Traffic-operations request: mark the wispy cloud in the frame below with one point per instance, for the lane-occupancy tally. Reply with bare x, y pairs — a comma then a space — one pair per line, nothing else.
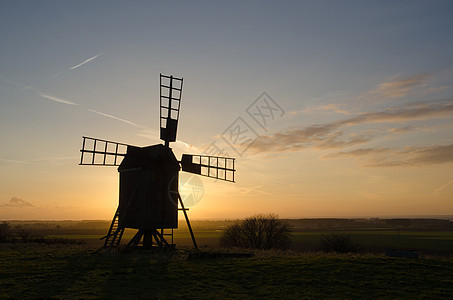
401, 130
331, 135
113, 117
331, 107
57, 99
335, 141
400, 87
85, 61
405, 156
417, 111
16, 202
317, 136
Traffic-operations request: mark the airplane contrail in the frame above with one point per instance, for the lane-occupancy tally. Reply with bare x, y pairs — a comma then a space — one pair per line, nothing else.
46, 96
13, 82
76, 66
23, 86
56, 99
85, 61
16, 161
113, 117
64, 101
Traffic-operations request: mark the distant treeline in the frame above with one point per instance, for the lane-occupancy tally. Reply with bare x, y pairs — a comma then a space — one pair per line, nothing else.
27, 233
369, 224
100, 227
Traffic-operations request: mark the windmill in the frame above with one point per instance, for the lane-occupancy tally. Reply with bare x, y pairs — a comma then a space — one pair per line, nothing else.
149, 199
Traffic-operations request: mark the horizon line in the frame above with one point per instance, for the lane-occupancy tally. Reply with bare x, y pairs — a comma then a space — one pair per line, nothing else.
444, 217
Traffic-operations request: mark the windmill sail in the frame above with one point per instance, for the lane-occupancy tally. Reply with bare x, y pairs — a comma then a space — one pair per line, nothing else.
211, 166
101, 152
170, 99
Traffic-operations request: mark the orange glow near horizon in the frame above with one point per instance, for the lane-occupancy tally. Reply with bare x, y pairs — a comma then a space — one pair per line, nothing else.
329, 109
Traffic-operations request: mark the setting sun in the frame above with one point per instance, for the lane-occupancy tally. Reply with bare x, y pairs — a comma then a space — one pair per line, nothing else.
338, 110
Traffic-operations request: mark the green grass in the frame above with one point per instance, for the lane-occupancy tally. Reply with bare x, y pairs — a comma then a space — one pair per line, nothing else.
43, 271
369, 239
309, 240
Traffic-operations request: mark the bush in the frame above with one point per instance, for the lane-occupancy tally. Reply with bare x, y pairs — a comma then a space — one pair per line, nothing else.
258, 232
340, 243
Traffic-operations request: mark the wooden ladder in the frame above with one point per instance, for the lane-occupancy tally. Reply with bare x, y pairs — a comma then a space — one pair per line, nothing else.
113, 237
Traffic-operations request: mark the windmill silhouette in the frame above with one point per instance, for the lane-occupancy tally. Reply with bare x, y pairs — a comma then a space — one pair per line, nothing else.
149, 198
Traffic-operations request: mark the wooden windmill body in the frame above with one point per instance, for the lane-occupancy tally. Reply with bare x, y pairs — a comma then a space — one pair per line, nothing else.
149, 199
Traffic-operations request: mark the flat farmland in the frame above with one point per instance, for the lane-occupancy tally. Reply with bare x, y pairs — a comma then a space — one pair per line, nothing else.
426, 237
309, 241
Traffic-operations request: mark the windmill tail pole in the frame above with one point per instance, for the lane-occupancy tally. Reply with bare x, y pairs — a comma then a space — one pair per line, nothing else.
188, 222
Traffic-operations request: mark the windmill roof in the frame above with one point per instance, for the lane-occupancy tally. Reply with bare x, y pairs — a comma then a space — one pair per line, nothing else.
148, 157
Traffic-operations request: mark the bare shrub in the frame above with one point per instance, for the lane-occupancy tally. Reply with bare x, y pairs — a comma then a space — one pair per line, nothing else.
258, 232
340, 243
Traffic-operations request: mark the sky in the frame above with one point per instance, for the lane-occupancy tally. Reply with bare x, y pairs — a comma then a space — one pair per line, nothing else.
331, 108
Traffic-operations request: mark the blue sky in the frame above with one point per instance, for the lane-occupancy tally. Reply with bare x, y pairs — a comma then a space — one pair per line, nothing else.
365, 88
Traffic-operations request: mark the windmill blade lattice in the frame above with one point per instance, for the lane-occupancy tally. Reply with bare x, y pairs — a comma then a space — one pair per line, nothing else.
222, 168
99, 152
170, 100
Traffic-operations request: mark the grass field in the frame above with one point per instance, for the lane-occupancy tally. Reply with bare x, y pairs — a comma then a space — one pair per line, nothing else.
58, 271
424, 241
74, 270
368, 240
